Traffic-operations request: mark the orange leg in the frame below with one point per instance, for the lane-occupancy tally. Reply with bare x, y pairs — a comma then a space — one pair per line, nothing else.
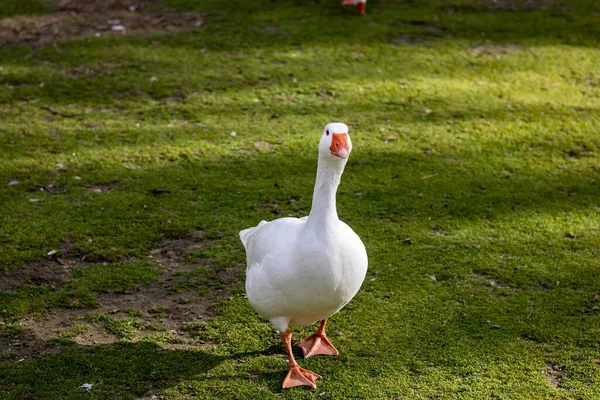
296, 376
317, 343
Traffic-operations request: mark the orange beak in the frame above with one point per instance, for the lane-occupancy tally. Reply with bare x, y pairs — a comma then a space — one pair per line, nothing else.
339, 145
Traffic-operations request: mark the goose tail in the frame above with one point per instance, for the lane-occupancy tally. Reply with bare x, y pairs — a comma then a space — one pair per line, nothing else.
246, 234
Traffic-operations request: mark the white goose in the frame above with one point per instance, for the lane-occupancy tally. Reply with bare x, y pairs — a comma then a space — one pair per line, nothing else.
300, 271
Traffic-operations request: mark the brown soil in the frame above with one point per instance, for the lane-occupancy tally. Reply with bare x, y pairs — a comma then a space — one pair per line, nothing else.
159, 306
412, 39
74, 19
38, 273
99, 188
553, 374
490, 49
172, 252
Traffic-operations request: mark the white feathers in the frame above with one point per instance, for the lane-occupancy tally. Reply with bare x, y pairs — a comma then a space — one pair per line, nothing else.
303, 270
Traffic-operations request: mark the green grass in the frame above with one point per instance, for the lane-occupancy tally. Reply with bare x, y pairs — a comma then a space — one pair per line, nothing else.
80, 291
12, 8
474, 183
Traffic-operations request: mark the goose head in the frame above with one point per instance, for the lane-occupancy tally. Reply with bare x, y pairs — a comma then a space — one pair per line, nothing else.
335, 143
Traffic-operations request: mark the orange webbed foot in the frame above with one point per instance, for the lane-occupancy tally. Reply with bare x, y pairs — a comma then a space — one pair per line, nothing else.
298, 376
317, 344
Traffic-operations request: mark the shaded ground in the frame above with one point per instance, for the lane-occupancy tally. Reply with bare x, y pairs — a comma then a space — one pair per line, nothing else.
168, 309
131, 160
75, 19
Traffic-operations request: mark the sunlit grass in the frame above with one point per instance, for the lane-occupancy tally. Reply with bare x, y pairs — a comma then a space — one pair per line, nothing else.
474, 183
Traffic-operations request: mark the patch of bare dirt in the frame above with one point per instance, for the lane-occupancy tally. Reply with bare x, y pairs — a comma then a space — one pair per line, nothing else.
171, 319
493, 50
172, 252
74, 19
24, 346
553, 374
51, 271
263, 145
46, 327
158, 307
38, 273
100, 188
179, 309
411, 39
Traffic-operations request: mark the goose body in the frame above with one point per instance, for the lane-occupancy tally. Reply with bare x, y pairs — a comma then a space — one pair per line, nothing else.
300, 272
303, 270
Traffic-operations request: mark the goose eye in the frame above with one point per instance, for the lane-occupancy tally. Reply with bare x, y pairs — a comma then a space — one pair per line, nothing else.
327, 132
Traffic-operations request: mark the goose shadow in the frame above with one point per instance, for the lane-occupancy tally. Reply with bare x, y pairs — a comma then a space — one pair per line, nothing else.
117, 370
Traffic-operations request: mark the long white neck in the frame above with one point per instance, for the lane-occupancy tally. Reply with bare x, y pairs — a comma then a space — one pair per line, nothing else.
329, 173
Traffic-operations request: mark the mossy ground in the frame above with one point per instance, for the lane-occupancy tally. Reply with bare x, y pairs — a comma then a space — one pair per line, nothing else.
474, 183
